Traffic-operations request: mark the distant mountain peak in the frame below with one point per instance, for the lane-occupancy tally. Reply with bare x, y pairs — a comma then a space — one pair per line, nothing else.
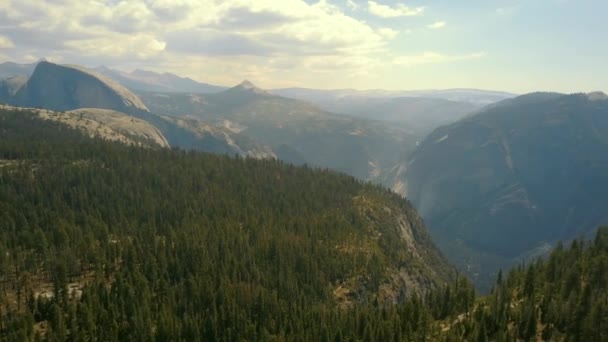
250, 87
247, 84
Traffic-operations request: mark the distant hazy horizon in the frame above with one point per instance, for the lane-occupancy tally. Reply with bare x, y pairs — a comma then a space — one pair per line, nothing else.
504, 45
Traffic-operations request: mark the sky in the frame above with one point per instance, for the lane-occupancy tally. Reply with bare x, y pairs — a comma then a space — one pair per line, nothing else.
512, 45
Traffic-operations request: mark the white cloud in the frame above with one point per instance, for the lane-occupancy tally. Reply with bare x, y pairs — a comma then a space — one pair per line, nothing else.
6, 43
267, 23
291, 41
385, 11
140, 46
249, 35
437, 25
30, 58
433, 58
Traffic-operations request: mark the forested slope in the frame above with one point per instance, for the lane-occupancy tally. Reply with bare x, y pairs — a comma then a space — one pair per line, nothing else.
104, 241
562, 298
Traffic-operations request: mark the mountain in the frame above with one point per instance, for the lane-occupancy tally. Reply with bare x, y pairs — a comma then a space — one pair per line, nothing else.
419, 112
230, 247
143, 80
66, 87
506, 184
300, 130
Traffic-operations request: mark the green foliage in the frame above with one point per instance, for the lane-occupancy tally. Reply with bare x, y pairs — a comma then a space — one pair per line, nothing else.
175, 245
562, 298
142, 244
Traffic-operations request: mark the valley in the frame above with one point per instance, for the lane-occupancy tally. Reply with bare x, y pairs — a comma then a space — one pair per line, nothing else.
510, 182
303, 170
267, 207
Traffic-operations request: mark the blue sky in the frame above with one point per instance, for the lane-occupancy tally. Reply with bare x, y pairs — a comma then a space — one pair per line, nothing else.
512, 45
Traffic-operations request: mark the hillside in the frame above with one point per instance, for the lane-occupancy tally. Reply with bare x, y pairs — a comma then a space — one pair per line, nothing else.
222, 139
157, 243
102, 123
508, 183
563, 298
362, 148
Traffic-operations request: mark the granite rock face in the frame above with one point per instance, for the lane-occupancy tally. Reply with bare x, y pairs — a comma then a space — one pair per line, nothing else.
66, 87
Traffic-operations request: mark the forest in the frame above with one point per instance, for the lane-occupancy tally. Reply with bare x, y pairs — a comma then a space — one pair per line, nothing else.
103, 242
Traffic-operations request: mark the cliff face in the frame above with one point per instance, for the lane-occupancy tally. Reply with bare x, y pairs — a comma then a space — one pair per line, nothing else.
63, 87
508, 183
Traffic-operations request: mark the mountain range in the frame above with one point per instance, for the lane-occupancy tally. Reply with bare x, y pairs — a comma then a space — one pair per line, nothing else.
328, 97
297, 130
357, 141
362, 133
144, 80
69, 87
498, 178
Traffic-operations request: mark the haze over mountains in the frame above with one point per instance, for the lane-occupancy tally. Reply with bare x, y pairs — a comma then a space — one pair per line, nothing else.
486, 182
374, 131
297, 130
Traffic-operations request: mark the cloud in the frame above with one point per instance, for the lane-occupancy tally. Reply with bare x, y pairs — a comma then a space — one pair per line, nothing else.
433, 58
385, 11
216, 43
437, 25
157, 24
219, 41
6, 43
140, 46
243, 18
